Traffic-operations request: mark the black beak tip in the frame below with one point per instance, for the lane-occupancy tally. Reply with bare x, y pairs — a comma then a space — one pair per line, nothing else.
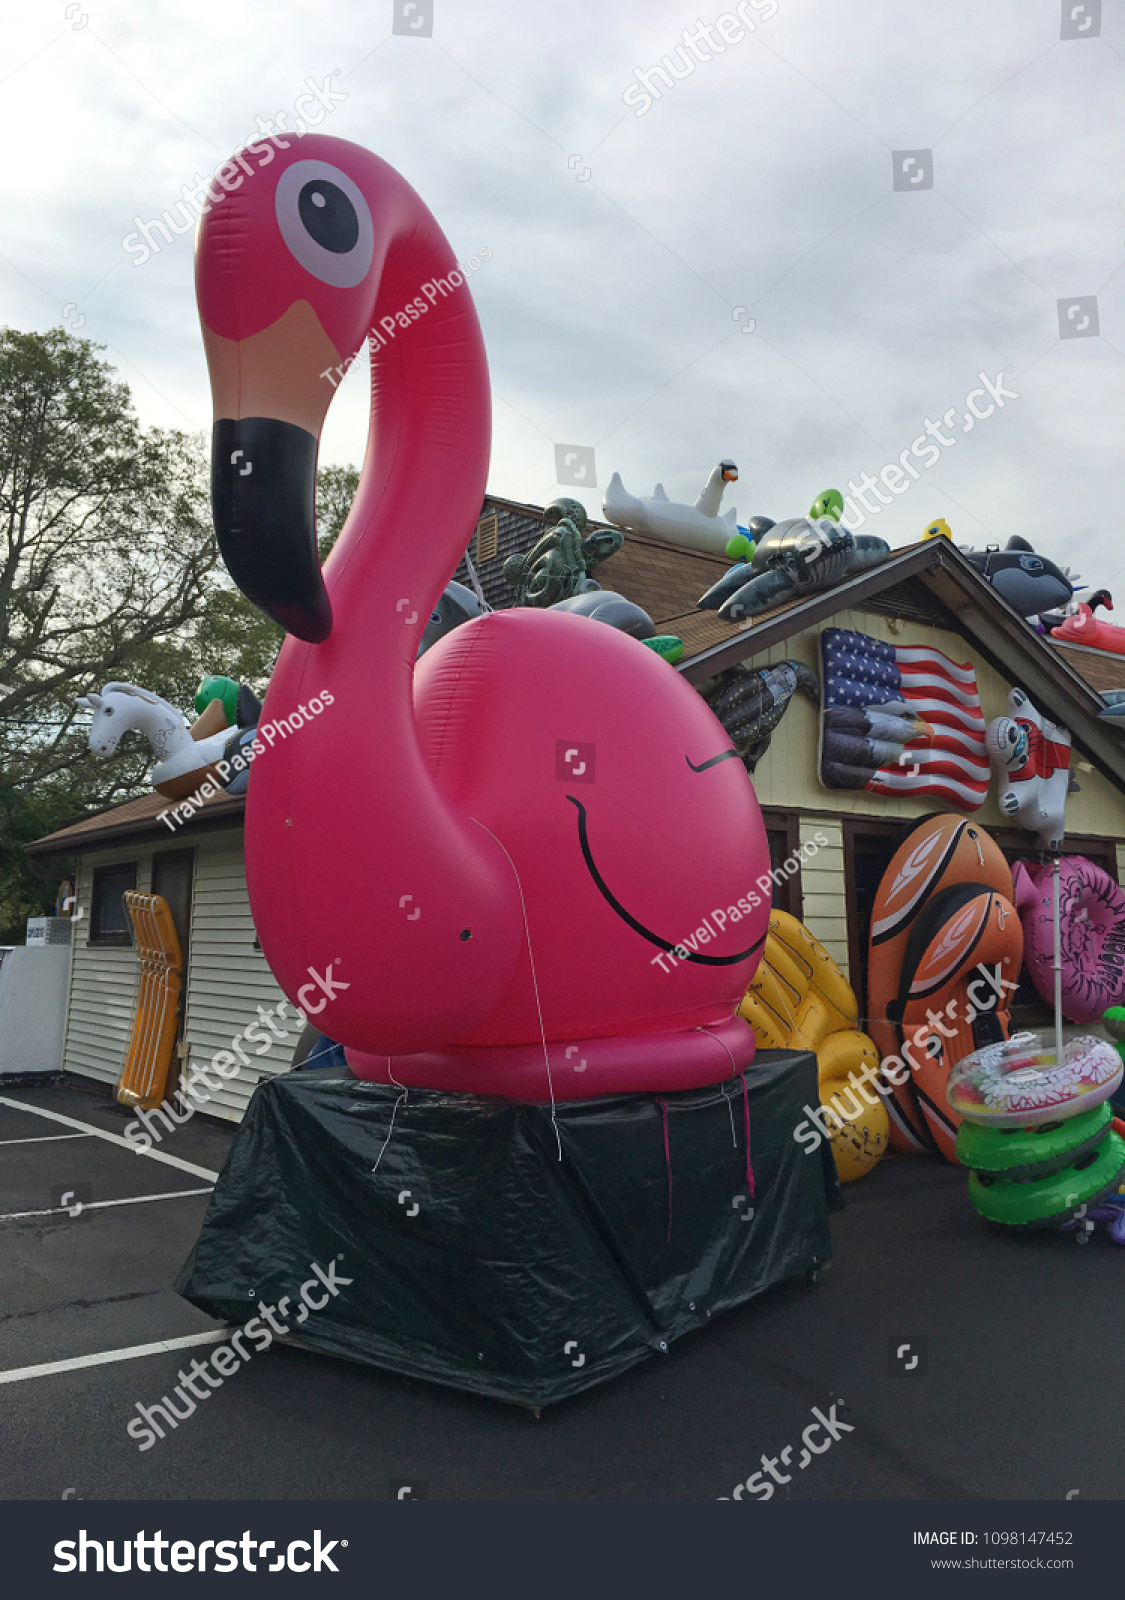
263, 495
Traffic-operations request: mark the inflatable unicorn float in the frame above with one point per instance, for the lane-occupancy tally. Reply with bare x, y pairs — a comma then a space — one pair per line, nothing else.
542, 807
186, 757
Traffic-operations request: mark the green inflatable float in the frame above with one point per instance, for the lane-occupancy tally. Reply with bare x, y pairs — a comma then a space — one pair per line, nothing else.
1042, 1202
1019, 1154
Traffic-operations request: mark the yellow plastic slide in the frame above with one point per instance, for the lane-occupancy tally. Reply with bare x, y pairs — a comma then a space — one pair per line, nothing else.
800, 1000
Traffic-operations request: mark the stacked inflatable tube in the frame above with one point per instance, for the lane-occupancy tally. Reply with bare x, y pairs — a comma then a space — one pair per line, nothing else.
1038, 1133
800, 1000
945, 944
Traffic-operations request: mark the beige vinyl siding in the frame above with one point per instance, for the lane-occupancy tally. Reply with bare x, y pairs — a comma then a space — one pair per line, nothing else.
824, 911
103, 979
227, 977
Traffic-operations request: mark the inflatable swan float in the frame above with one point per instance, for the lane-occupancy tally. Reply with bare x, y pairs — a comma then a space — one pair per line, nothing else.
696, 527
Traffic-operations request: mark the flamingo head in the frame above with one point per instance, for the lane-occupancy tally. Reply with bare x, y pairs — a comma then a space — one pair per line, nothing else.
292, 263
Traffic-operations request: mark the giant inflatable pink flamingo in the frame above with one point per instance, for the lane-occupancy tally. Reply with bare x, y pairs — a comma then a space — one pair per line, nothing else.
529, 867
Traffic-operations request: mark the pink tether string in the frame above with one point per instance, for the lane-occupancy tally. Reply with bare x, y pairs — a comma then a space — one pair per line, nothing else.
746, 1125
663, 1104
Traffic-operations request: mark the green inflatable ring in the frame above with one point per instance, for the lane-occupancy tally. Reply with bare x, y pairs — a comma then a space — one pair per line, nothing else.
1023, 1154
1052, 1199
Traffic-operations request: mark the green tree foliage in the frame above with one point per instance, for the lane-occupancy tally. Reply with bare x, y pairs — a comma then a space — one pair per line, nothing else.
108, 570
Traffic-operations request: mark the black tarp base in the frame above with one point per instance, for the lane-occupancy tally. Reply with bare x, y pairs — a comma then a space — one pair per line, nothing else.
467, 1252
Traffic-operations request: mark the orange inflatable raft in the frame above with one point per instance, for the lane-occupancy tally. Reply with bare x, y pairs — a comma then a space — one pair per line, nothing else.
945, 955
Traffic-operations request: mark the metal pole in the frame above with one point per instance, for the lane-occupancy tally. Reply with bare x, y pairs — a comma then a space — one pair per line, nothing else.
1058, 969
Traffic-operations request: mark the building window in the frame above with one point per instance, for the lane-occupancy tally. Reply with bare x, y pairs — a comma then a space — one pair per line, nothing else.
488, 538
109, 921
783, 834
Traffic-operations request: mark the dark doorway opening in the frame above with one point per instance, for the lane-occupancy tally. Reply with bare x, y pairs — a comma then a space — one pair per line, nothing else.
172, 874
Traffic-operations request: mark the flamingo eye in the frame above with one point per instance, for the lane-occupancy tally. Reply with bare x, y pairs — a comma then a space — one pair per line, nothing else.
326, 223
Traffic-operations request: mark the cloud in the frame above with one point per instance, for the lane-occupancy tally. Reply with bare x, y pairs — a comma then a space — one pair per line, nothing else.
762, 180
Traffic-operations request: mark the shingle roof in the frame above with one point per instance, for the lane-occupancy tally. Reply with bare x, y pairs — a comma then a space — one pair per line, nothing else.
1101, 668
133, 819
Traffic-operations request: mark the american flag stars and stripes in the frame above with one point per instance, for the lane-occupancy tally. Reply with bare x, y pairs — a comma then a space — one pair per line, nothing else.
900, 719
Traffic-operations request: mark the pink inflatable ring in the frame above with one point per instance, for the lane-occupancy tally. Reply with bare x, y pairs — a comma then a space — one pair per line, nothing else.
1018, 1083
1092, 922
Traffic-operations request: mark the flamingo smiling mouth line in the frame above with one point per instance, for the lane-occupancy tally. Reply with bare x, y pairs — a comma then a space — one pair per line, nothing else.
724, 755
639, 927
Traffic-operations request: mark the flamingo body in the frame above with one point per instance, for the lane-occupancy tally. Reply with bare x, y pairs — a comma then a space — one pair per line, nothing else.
498, 711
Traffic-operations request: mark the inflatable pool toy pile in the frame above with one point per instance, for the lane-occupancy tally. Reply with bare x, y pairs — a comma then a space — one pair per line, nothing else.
1038, 1134
800, 1000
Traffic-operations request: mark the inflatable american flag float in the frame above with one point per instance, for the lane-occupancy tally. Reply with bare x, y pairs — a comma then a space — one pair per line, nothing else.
900, 719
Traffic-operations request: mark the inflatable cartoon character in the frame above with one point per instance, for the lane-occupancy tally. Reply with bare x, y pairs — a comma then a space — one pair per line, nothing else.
559, 564
1032, 757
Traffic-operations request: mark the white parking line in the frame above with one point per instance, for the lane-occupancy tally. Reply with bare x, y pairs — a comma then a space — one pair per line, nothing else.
47, 1138
102, 1358
95, 1205
113, 1138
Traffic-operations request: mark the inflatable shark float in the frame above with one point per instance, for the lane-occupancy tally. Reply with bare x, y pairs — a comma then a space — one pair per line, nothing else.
1028, 582
696, 527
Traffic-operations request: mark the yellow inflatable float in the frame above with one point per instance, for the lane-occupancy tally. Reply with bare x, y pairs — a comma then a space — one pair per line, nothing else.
800, 1000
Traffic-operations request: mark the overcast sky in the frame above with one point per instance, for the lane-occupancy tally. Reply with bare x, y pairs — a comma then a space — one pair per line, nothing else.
630, 251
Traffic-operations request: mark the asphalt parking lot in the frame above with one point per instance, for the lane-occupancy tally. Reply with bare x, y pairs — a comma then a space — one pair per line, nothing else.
1017, 1391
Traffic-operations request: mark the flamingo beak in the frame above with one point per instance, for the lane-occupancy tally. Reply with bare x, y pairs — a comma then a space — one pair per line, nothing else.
270, 398
263, 497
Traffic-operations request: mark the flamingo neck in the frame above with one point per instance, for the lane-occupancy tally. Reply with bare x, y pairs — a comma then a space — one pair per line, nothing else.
348, 827
419, 498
